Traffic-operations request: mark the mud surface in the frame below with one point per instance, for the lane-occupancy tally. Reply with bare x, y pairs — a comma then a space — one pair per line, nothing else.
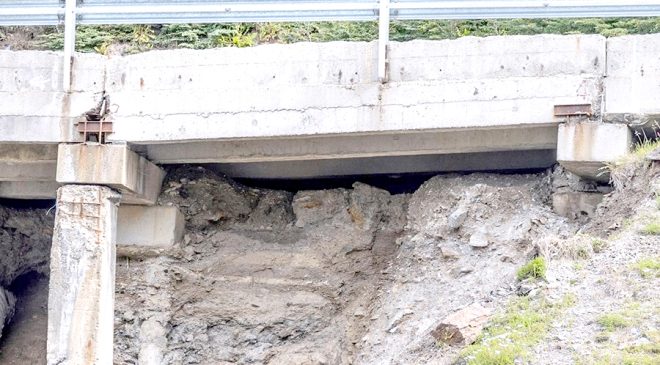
342, 276
325, 277
25, 239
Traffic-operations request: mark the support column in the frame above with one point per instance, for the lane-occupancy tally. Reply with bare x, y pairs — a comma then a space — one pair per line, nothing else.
82, 276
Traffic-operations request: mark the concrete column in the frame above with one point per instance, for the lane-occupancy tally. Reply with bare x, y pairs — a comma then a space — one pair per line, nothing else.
82, 276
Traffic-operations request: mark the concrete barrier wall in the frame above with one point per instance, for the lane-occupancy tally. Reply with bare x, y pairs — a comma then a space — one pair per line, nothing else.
330, 88
33, 107
633, 75
323, 101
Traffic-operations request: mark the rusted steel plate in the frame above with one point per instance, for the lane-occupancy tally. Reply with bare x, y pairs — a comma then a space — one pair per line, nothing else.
571, 110
94, 127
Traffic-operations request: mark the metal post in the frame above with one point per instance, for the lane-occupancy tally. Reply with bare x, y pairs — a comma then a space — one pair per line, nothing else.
383, 38
69, 42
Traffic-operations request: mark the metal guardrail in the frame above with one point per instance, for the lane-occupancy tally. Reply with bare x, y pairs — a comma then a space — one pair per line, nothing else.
74, 12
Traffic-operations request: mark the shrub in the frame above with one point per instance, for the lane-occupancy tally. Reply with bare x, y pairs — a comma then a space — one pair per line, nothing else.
612, 321
533, 269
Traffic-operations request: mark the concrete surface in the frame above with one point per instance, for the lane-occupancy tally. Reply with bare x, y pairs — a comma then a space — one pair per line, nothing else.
300, 103
576, 205
34, 109
309, 89
144, 230
115, 166
82, 276
584, 148
633, 70
28, 162
38, 190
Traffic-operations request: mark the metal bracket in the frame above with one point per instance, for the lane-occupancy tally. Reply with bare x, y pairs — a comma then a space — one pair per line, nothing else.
573, 110
94, 127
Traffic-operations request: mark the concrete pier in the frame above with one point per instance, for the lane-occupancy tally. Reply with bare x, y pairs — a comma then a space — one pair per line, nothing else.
82, 276
585, 148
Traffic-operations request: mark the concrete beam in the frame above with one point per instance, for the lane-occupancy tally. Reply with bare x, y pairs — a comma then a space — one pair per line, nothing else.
28, 162
481, 161
82, 276
144, 231
584, 148
405, 143
115, 166
37, 190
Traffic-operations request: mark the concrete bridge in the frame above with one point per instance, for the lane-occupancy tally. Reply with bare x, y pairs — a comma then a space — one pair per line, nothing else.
292, 111
310, 110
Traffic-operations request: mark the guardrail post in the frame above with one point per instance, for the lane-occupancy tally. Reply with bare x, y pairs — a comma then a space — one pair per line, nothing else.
70, 7
383, 38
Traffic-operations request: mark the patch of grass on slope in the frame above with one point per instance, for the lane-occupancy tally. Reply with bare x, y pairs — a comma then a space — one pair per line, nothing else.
512, 334
648, 267
533, 269
622, 170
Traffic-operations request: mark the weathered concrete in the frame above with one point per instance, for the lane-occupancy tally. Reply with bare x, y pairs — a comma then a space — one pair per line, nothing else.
333, 89
110, 165
40, 190
82, 276
584, 148
633, 70
34, 109
148, 230
304, 103
481, 161
28, 162
576, 204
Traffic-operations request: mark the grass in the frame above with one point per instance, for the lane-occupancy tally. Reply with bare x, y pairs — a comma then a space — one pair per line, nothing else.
612, 321
652, 228
533, 269
622, 170
598, 244
648, 267
512, 334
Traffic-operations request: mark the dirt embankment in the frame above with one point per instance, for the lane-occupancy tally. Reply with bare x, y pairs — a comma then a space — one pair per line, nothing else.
326, 277
341, 276
25, 239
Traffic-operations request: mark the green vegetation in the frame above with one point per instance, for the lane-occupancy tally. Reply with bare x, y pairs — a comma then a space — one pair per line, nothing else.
512, 334
143, 37
598, 244
652, 228
634, 314
612, 321
648, 268
622, 170
533, 269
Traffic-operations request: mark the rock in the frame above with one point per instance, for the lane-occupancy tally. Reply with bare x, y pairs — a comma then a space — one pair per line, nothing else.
457, 218
7, 304
449, 253
462, 327
397, 319
654, 155
479, 240
526, 286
